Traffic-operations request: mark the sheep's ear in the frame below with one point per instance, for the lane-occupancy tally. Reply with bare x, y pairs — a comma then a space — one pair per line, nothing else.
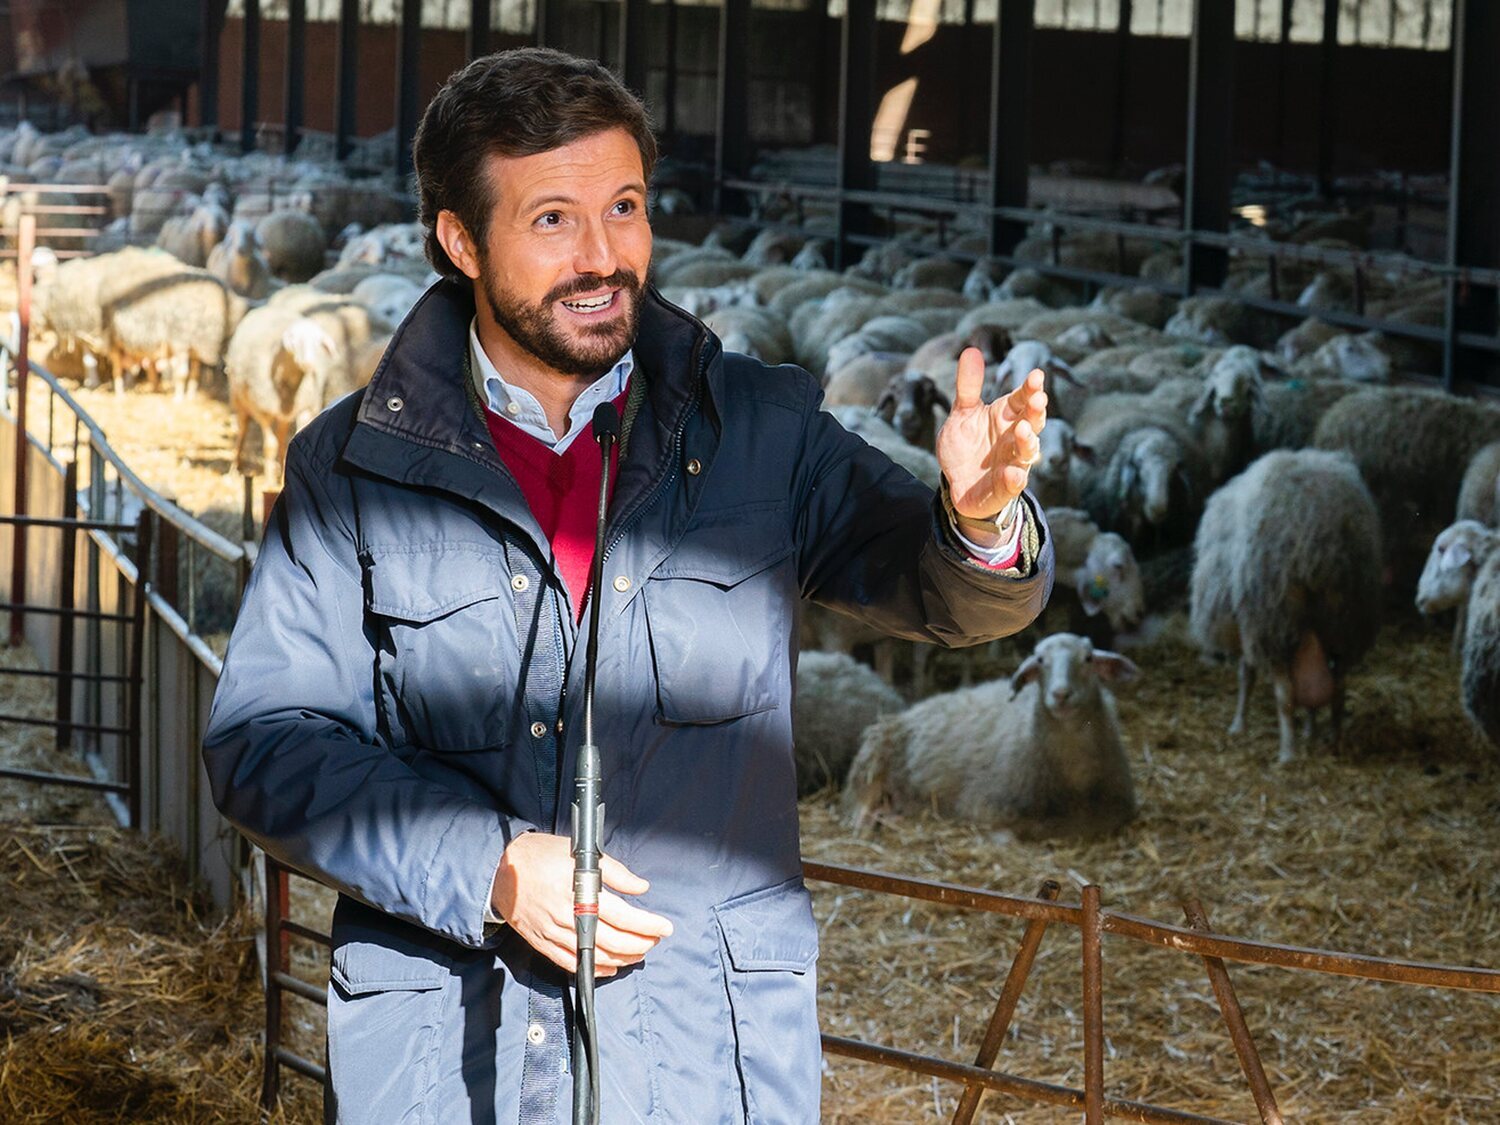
939, 398
1455, 556
1063, 371
1030, 669
1084, 452
1112, 667
1202, 406
886, 407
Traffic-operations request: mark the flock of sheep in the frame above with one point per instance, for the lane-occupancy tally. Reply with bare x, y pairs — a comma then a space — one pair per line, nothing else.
1274, 484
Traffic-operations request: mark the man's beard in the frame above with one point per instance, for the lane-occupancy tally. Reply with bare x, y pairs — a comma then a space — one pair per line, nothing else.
537, 330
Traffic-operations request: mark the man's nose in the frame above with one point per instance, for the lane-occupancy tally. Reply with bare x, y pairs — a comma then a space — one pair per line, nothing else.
593, 253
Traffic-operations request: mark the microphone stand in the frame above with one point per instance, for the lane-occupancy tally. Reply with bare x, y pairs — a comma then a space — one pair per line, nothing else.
588, 814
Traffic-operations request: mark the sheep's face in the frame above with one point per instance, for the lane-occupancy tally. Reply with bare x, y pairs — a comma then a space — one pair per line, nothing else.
1109, 582
1067, 670
909, 405
1451, 565
562, 269
1154, 465
1058, 441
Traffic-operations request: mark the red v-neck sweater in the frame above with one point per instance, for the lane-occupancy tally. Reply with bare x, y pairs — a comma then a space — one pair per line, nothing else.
562, 491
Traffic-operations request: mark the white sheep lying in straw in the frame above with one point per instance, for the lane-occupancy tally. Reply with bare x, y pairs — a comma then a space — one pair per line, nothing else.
1038, 755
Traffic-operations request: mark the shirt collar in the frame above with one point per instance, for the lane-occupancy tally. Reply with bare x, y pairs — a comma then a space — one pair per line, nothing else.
520, 406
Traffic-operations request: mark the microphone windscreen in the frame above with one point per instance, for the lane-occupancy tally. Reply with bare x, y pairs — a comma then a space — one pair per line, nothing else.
606, 422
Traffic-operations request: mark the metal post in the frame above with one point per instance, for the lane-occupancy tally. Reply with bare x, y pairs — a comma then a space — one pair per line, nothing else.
669, 86
210, 20
67, 579
1283, 75
1093, 1010
1328, 53
409, 40
143, 526
1210, 143
250, 76
277, 907
634, 44
295, 101
1122, 79
25, 244
856, 172
732, 139
1010, 118
1005, 1007
477, 38
1474, 183
549, 23
345, 66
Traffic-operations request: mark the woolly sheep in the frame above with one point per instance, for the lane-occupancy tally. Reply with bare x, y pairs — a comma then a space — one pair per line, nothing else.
1096, 570
1148, 475
753, 331
1038, 755
911, 404
1457, 555
1219, 321
862, 381
1291, 410
1033, 284
881, 262
1061, 463
883, 436
1412, 447
931, 273
938, 356
1358, 359
771, 247
390, 296
794, 296
241, 264
1286, 577
1006, 313
819, 324
878, 334
1305, 339
837, 698
294, 244
1480, 679
1145, 306
1064, 394
814, 255
1479, 493
191, 238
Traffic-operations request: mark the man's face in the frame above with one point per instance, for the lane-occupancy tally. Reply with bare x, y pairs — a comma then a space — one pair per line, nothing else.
567, 251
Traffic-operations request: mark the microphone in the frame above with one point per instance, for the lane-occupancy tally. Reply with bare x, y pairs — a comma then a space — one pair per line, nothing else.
588, 811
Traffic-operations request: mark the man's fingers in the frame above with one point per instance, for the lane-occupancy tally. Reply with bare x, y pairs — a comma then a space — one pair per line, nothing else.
970, 379
618, 877
616, 912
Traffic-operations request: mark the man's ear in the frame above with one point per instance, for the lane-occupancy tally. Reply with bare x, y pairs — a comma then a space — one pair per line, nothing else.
456, 241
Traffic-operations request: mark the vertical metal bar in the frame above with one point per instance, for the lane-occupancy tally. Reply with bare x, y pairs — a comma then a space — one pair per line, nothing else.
634, 44
211, 27
250, 76
1328, 56
1474, 183
143, 526
295, 79
190, 614
1093, 1010
276, 910
1010, 118
168, 574
1283, 76
549, 23
25, 244
1122, 81
477, 37
94, 648
1234, 1020
1209, 148
67, 582
669, 86
409, 40
345, 70
856, 172
1005, 1007
732, 141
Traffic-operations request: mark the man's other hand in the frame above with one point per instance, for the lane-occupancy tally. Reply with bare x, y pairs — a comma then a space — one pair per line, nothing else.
533, 892
986, 450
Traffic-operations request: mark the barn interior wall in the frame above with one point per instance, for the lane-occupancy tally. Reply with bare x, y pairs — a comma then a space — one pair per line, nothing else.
1388, 100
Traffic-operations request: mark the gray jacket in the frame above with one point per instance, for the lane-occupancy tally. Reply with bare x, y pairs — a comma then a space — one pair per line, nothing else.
401, 698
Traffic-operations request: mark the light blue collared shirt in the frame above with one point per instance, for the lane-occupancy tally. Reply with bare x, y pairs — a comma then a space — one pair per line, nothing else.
520, 406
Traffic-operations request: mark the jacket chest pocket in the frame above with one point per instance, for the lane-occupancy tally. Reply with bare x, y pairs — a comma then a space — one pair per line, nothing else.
718, 610
446, 639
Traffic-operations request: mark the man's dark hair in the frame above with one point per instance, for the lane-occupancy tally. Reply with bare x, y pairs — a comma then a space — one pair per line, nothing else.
517, 103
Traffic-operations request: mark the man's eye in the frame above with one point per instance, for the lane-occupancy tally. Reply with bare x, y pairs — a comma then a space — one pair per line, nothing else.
625, 206
550, 219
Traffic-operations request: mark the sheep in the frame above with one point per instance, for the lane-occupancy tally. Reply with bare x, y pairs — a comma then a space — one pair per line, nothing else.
863, 381
191, 238
1145, 306
1029, 283
931, 273
1457, 555
1097, 572
1358, 359
881, 262
938, 356
753, 331
984, 279
878, 334
771, 247
1064, 394
390, 296
1286, 576
837, 698
1480, 679
1039, 755
161, 312
1305, 339
1291, 410
914, 301
1061, 463
1412, 447
818, 324
294, 244
814, 255
1148, 475
787, 301
1479, 493
239, 262
1219, 321
766, 283
910, 405
289, 360
703, 273
1223, 408
69, 305
1005, 313
883, 436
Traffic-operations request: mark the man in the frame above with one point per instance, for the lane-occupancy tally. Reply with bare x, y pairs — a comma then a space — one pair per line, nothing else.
400, 706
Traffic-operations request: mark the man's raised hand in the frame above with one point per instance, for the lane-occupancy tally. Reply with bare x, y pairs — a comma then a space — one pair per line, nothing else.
533, 892
986, 450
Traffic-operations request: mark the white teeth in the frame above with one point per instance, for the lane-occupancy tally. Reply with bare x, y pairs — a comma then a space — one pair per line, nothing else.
589, 306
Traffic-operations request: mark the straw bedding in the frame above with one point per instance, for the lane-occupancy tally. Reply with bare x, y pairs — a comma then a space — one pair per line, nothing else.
120, 999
